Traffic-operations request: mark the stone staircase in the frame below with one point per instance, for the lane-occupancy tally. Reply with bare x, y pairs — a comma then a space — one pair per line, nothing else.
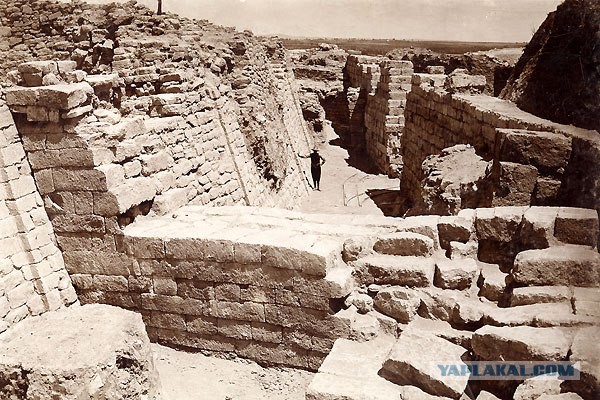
422, 298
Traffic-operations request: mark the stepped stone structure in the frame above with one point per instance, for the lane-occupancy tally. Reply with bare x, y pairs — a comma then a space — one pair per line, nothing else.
156, 173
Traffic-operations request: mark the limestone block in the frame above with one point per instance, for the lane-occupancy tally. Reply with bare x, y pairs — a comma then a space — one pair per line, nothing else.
539, 294
41, 67
73, 180
492, 282
455, 274
544, 150
484, 395
533, 388
404, 244
410, 363
516, 184
134, 191
398, 302
350, 372
585, 350
97, 363
537, 230
521, 343
78, 223
107, 283
62, 97
456, 228
393, 270
499, 224
587, 301
547, 191
577, 226
561, 396
559, 265
457, 307
156, 162
61, 158
458, 250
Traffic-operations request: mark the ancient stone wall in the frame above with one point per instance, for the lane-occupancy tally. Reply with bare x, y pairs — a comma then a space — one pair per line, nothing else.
176, 67
384, 116
361, 76
262, 283
533, 161
33, 278
376, 91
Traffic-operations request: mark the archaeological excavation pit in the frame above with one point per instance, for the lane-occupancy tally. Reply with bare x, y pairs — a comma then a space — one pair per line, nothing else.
161, 238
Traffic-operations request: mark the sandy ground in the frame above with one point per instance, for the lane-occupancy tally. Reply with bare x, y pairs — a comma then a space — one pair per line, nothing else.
343, 186
194, 376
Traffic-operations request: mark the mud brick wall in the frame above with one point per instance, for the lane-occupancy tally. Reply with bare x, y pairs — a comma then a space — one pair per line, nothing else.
384, 116
33, 278
535, 161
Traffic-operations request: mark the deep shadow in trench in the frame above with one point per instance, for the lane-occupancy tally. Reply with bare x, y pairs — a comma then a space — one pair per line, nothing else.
349, 126
391, 202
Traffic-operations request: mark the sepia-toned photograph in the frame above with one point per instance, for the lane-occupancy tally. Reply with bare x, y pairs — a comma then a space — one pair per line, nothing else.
299, 199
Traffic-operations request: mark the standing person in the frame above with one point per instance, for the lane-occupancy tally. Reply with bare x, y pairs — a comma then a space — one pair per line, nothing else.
315, 167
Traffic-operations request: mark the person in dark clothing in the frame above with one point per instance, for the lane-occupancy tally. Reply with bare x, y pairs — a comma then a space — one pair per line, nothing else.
315, 167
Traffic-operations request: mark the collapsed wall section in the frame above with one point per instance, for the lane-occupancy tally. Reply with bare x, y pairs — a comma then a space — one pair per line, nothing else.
33, 278
532, 161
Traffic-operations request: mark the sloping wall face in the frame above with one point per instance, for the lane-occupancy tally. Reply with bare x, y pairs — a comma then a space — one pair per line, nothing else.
145, 65
33, 278
534, 161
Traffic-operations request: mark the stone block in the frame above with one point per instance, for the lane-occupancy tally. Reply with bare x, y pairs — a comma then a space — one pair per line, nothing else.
410, 363
185, 249
492, 282
234, 329
544, 150
499, 224
266, 332
558, 266
74, 180
392, 270
34, 361
110, 283
252, 312
521, 343
577, 226
588, 355
455, 274
456, 228
398, 302
78, 223
537, 229
516, 184
164, 285
404, 244
540, 294
201, 325
546, 191
533, 388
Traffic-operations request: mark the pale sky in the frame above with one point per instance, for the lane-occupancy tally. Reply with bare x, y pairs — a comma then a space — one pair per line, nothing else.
463, 20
